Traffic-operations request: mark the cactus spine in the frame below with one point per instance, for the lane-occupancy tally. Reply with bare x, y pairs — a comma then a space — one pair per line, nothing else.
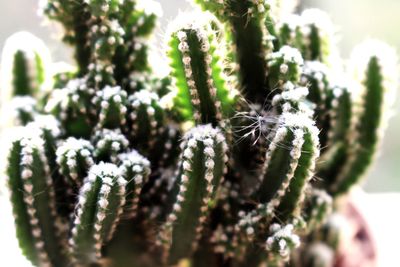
213, 165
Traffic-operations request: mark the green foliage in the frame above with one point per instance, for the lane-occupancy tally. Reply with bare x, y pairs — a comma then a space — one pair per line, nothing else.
213, 165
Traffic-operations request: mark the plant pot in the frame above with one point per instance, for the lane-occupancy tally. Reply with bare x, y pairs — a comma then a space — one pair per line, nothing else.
357, 247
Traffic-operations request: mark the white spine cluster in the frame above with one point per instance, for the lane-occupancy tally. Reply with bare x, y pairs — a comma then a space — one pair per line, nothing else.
108, 33
46, 123
112, 141
68, 155
100, 72
254, 220
21, 105
282, 240
111, 96
69, 99
286, 57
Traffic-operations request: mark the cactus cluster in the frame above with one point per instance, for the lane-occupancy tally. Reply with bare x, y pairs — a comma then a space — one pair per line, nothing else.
234, 159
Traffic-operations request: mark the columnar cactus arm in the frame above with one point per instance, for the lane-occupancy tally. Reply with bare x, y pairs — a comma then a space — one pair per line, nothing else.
315, 77
111, 103
196, 60
23, 84
292, 201
75, 18
25, 59
145, 121
377, 78
136, 171
72, 106
100, 205
285, 65
337, 146
138, 22
312, 33
108, 144
249, 34
22, 220
33, 200
74, 158
318, 205
203, 165
319, 31
282, 158
49, 130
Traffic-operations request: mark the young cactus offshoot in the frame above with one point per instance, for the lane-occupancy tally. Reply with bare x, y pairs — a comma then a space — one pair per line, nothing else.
234, 159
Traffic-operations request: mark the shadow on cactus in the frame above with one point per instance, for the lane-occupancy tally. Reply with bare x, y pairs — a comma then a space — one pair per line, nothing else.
234, 159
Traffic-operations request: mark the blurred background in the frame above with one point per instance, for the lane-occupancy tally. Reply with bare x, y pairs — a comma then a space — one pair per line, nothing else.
356, 20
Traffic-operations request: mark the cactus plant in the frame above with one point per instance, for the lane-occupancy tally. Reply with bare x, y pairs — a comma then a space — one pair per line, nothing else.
234, 159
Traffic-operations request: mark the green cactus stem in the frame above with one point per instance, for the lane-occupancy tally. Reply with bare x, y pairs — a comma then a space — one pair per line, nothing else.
375, 87
38, 227
135, 169
100, 206
195, 190
195, 58
75, 158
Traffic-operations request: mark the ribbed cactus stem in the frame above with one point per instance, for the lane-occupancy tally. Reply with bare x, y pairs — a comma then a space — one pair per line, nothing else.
100, 206
284, 66
111, 103
292, 201
48, 128
282, 240
250, 39
108, 144
105, 37
146, 119
136, 171
75, 157
318, 206
72, 106
100, 76
75, 17
195, 189
25, 59
376, 84
338, 143
319, 33
312, 33
195, 58
282, 158
33, 200
315, 76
